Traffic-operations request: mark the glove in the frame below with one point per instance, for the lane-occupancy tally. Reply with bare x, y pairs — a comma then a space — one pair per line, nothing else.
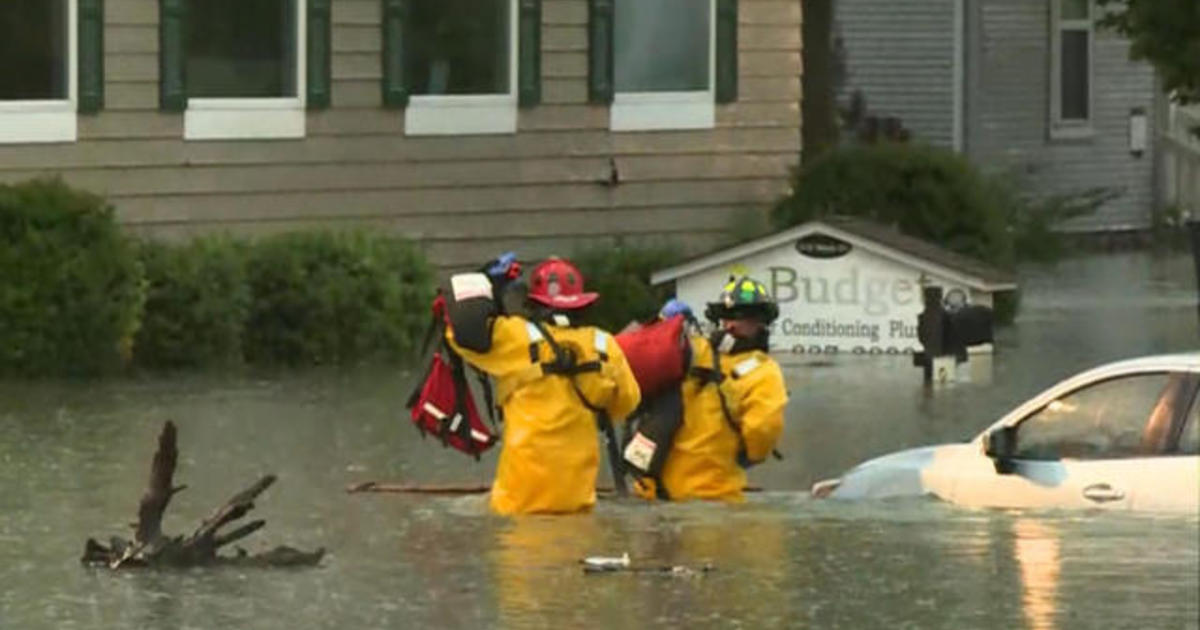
502, 269
675, 307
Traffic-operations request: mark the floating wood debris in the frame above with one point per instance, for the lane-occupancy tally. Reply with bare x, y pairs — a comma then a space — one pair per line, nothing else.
151, 548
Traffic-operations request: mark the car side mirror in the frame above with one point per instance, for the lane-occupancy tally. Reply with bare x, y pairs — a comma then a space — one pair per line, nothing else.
1000, 445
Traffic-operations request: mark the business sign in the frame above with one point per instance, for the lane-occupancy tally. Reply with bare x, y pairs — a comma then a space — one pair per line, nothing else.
833, 298
818, 245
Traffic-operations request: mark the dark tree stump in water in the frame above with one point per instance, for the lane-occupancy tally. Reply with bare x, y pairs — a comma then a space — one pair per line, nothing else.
151, 548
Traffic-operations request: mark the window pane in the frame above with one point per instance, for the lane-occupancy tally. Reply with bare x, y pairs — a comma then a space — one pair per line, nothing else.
662, 45
241, 48
1101, 421
458, 47
1189, 442
33, 49
1074, 75
1074, 9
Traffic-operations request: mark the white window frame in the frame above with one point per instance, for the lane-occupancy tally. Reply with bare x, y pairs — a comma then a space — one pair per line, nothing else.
653, 111
1060, 128
469, 114
51, 120
255, 118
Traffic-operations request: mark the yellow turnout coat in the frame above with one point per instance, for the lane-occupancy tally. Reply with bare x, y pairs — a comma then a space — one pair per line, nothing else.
550, 451
702, 462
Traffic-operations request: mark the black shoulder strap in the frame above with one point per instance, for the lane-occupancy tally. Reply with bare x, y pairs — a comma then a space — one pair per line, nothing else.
717, 378
436, 326
565, 363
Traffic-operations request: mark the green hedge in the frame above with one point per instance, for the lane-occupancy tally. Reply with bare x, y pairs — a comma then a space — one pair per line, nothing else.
621, 276
197, 303
335, 298
77, 297
927, 192
71, 287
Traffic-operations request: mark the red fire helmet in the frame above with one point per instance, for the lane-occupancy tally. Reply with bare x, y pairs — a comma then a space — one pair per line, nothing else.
558, 284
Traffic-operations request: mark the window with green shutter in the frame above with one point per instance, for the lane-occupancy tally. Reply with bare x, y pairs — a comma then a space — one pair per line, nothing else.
234, 66
34, 45
461, 66
39, 86
662, 64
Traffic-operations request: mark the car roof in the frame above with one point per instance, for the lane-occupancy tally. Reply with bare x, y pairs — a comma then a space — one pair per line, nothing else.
1184, 361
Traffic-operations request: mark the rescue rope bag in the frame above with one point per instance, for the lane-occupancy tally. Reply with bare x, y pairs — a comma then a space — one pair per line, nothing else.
442, 404
657, 354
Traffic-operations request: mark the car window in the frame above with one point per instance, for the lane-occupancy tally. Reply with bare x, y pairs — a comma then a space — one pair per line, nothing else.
1189, 442
1119, 417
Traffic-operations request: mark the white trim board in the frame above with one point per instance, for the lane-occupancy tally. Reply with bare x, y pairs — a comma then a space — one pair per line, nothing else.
243, 118
790, 235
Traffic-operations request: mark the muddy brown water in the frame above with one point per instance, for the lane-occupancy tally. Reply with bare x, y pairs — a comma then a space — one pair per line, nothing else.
74, 458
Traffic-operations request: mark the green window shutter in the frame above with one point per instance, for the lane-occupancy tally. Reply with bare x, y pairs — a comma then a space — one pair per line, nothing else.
529, 88
172, 56
318, 62
91, 56
395, 21
600, 51
727, 51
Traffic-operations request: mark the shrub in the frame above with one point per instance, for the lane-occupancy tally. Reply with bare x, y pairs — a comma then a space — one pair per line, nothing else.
926, 192
71, 286
621, 276
322, 298
1033, 222
197, 303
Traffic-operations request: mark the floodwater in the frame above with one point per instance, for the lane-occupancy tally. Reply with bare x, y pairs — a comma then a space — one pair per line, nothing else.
74, 460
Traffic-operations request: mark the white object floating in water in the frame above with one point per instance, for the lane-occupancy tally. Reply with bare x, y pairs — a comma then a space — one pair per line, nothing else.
606, 563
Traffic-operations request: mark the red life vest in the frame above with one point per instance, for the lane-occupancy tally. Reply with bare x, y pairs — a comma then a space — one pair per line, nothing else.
657, 354
445, 408
442, 404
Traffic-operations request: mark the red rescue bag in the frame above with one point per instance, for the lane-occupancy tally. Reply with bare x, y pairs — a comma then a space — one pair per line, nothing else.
657, 354
445, 408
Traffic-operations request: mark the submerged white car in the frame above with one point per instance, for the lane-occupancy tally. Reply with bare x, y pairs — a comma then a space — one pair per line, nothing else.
1122, 436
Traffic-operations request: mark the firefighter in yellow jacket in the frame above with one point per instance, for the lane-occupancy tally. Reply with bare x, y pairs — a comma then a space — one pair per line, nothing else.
554, 381
733, 401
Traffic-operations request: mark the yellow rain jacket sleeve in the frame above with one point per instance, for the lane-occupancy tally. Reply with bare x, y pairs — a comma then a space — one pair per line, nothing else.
550, 452
703, 462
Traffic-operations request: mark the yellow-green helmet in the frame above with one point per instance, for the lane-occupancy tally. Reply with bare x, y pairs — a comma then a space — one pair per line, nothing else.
743, 298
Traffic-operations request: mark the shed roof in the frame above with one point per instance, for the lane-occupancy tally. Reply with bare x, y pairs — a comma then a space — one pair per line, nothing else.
868, 235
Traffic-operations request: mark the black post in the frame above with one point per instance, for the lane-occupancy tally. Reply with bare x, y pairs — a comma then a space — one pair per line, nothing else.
1194, 229
931, 328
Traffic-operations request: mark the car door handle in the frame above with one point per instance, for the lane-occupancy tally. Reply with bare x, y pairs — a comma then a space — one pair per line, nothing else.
1102, 493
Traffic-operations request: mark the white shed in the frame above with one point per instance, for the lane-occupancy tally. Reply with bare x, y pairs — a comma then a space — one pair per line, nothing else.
843, 284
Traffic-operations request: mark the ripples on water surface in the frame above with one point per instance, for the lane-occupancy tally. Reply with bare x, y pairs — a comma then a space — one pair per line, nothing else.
74, 459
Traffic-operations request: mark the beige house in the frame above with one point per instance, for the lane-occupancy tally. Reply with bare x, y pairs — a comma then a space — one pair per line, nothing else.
471, 125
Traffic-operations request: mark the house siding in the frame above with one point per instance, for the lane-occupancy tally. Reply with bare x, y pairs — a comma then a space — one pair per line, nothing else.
900, 55
1008, 113
541, 190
